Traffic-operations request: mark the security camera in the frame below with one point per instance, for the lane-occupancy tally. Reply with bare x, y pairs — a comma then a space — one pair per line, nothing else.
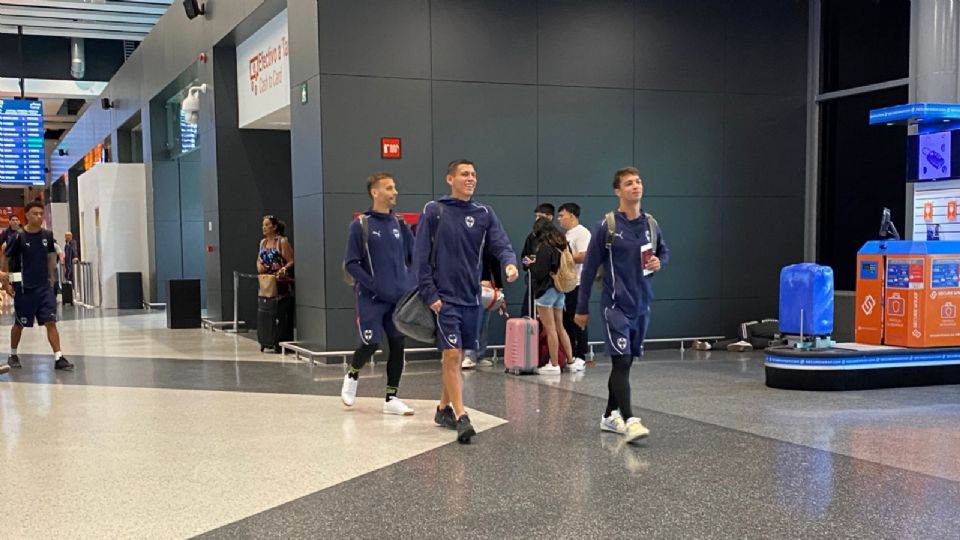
191, 104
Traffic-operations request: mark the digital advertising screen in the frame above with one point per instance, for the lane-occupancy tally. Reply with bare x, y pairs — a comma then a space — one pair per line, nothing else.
21, 143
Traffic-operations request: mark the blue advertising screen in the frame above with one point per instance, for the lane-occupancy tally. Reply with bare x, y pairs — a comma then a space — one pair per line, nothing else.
21, 142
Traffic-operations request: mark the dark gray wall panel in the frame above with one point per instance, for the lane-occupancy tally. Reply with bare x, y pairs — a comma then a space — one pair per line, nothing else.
684, 318
737, 310
166, 190
680, 142
191, 193
305, 149
384, 38
305, 40
487, 41
494, 126
760, 236
342, 330
689, 227
586, 43
585, 135
767, 47
312, 324
680, 48
357, 112
763, 146
168, 248
310, 251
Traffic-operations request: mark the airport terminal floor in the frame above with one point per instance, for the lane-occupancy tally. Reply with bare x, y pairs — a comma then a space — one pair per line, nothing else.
178, 433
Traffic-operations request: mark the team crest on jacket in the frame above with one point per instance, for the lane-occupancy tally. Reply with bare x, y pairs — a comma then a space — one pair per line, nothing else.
648, 235
368, 335
396, 234
469, 221
622, 343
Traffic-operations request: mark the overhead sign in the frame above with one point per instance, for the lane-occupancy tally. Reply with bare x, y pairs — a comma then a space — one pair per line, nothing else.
21, 142
390, 147
263, 73
915, 112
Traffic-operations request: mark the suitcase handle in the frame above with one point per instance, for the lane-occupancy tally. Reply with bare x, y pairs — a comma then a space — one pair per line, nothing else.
530, 295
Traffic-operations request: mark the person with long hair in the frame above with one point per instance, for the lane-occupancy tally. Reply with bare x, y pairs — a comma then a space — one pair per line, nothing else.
550, 302
276, 252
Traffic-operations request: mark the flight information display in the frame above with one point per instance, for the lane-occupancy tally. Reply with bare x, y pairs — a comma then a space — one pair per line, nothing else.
21, 142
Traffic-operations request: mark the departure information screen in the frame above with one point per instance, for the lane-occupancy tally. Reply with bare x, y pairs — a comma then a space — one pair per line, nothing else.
21, 142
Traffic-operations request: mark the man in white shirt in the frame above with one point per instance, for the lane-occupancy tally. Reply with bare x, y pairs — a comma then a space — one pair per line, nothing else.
578, 237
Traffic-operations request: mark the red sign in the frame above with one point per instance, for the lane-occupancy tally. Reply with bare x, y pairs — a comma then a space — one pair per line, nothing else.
390, 147
952, 210
928, 211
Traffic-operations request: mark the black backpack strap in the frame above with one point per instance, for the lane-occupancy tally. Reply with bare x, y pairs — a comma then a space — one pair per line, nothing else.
611, 220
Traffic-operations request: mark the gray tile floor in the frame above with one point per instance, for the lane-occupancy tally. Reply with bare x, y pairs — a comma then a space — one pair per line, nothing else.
727, 458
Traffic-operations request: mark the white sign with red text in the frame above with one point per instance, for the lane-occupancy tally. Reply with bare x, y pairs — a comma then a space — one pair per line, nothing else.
263, 72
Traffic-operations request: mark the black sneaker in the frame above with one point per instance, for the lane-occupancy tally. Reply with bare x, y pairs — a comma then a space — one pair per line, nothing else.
63, 364
14, 361
445, 418
464, 430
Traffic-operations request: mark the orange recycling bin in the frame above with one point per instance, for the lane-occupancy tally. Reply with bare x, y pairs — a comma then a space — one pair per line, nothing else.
919, 284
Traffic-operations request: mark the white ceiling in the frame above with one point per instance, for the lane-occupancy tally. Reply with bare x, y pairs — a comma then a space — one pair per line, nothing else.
128, 20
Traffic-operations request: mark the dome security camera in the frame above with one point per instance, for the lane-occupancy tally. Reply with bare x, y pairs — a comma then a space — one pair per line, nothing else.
191, 104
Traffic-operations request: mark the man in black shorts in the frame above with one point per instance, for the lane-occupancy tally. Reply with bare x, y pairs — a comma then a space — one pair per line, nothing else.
31, 259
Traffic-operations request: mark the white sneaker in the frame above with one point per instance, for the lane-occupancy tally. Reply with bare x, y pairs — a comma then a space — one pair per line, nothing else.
348, 392
486, 362
578, 364
549, 369
635, 430
468, 363
613, 423
395, 406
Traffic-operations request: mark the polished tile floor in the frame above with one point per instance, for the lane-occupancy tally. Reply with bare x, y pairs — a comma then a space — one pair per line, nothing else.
171, 434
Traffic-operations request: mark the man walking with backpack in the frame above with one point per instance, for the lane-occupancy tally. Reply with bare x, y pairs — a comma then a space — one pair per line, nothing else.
378, 257
32, 260
629, 246
448, 258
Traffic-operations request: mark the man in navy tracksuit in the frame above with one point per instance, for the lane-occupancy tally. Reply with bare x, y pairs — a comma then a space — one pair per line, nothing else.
627, 294
379, 262
451, 235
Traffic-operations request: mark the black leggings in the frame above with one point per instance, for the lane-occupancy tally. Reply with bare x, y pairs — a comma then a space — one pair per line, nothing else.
394, 359
619, 387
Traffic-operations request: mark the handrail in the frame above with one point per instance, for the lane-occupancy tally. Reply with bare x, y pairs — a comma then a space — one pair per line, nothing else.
83, 284
295, 348
236, 322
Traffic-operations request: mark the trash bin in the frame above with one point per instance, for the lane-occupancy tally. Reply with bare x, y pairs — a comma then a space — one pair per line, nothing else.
129, 290
183, 303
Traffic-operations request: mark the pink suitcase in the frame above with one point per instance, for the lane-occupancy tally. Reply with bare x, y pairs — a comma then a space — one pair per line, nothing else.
521, 351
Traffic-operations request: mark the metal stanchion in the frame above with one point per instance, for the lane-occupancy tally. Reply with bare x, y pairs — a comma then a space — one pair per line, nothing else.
236, 301
236, 322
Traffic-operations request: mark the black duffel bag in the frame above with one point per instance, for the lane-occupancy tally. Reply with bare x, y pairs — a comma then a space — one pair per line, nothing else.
414, 318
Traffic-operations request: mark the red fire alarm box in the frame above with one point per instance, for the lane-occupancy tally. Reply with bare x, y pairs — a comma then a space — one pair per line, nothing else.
390, 147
